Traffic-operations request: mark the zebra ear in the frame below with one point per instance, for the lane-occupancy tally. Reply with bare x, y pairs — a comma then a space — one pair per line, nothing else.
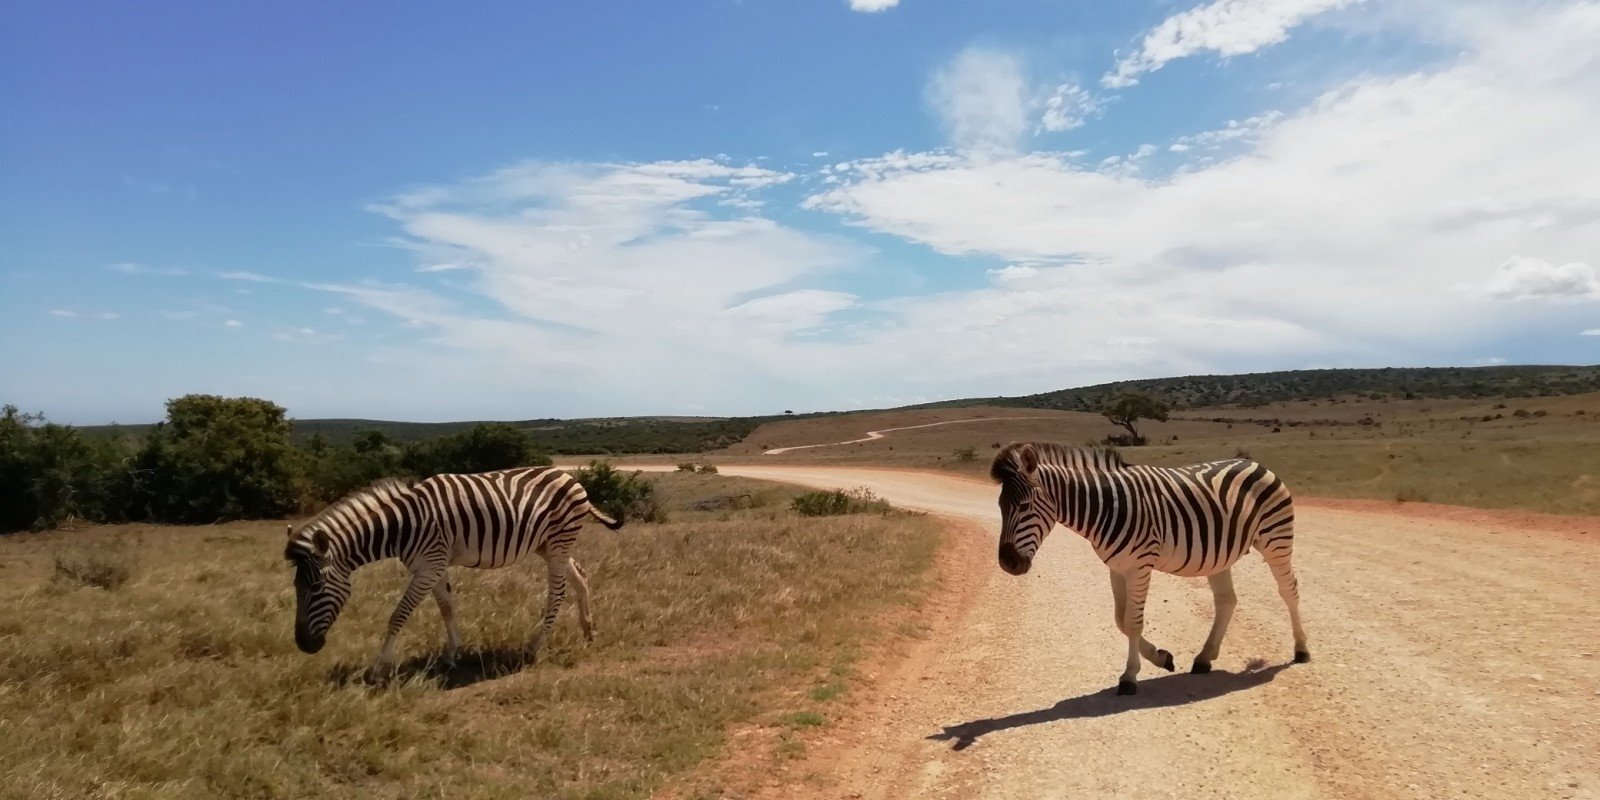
1029, 459
319, 540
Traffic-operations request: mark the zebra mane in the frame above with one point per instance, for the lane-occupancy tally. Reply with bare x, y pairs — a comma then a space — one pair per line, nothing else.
350, 505
1008, 462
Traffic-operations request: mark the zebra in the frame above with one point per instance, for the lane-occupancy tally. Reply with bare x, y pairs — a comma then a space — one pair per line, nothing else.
483, 520
1190, 521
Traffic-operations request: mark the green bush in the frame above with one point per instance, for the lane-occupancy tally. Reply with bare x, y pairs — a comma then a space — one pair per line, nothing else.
488, 446
52, 473
838, 502
708, 469
966, 454
330, 472
624, 496
215, 458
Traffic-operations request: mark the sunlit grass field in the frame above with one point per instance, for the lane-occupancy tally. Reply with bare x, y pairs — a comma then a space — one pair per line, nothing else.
157, 661
1536, 454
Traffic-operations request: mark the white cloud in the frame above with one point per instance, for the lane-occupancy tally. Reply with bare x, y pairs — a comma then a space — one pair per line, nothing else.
610, 275
1591, 332
233, 323
305, 336
1236, 131
1523, 278
130, 268
1335, 232
793, 311
872, 6
982, 98
1068, 106
67, 313
1225, 27
240, 275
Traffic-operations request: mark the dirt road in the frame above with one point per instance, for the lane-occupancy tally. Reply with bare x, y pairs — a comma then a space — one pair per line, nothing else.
1449, 660
875, 435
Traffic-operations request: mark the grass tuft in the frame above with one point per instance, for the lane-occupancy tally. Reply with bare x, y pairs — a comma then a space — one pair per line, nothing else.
838, 502
106, 569
186, 681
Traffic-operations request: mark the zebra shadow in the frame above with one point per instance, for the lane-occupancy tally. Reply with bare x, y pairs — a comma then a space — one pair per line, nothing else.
1176, 689
471, 666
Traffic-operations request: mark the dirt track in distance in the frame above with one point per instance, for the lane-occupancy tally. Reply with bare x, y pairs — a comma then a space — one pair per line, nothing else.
1450, 659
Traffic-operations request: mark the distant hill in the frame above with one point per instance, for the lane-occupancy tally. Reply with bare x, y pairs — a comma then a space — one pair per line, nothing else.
1267, 387
617, 435
663, 434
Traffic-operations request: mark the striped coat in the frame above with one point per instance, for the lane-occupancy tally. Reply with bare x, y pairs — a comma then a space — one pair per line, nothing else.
484, 520
1191, 521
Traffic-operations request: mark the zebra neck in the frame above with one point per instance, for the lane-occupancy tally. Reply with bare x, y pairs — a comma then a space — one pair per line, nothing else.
1086, 502
374, 538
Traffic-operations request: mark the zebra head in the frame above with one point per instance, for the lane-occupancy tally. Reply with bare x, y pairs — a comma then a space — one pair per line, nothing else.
1027, 512
320, 587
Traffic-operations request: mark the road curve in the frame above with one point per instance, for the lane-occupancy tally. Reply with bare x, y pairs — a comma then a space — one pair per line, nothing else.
875, 435
1450, 660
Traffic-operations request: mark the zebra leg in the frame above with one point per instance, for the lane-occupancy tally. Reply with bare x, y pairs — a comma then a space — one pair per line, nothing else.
423, 578
556, 574
581, 583
445, 597
1226, 601
1119, 600
1138, 588
1289, 590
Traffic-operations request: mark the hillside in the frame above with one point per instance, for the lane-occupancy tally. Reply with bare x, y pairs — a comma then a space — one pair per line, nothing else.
617, 435
1269, 387
666, 434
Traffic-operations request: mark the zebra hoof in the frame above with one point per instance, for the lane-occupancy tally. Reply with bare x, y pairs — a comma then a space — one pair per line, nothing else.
1302, 656
1127, 687
1200, 667
1164, 660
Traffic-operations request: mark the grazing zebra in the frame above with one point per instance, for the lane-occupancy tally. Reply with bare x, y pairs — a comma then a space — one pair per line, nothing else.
484, 520
1191, 521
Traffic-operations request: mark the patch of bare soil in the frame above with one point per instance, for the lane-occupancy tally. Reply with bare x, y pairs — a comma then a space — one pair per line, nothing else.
1454, 655
1582, 528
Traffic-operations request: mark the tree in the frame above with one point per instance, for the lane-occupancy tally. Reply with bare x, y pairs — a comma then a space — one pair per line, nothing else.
51, 473
486, 447
216, 458
1128, 408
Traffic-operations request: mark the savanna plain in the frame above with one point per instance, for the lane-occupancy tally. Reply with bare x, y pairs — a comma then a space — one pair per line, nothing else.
1447, 550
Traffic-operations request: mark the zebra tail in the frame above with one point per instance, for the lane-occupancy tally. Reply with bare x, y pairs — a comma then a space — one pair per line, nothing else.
605, 519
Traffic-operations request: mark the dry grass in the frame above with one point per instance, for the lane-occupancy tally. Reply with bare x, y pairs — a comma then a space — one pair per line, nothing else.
1539, 454
183, 681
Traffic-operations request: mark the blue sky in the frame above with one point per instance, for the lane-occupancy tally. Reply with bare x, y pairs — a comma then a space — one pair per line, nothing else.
522, 210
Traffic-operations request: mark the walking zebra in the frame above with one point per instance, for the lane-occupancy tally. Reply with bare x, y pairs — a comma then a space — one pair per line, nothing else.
1191, 521
484, 520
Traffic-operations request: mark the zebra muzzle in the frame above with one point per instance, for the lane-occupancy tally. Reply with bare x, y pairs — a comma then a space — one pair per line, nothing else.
1012, 562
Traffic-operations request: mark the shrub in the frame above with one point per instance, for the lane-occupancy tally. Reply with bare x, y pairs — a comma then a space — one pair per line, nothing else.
52, 473
624, 496
105, 569
965, 454
216, 458
687, 467
838, 502
488, 446
708, 469
330, 472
